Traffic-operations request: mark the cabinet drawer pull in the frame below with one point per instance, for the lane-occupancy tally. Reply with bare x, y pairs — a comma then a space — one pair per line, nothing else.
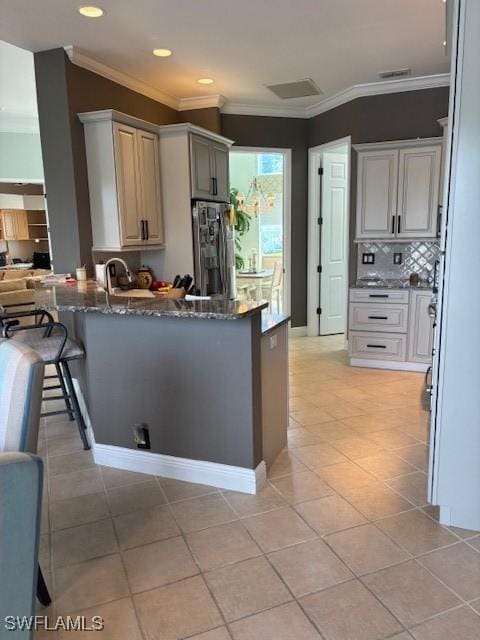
142, 223
378, 295
393, 224
147, 231
378, 317
398, 224
376, 346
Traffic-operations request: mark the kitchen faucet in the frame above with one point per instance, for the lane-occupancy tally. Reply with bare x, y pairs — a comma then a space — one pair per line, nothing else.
108, 284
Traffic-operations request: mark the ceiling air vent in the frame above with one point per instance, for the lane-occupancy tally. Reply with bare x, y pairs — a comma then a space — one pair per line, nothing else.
395, 73
298, 89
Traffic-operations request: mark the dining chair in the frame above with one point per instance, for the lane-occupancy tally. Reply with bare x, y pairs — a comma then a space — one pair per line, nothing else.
274, 286
21, 388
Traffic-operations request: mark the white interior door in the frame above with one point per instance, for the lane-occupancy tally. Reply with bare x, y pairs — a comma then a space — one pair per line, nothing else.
333, 243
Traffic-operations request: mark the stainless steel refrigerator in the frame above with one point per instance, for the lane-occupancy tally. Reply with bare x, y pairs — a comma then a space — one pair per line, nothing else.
214, 249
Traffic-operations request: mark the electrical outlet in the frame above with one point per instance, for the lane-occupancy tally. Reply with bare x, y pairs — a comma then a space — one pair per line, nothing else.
397, 258
368, 258
141, 436
273, 341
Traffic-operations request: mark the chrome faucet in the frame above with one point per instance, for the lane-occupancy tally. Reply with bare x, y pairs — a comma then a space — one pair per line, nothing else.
108, 283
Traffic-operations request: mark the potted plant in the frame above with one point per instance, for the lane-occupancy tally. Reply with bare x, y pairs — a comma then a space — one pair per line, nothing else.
242, 226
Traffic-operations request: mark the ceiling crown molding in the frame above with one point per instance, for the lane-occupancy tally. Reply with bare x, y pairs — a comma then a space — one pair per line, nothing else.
81, 59
238, 108
398, 85
201, 102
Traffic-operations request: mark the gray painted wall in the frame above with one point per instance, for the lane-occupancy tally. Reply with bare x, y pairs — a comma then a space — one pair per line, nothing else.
395, 116
63, 90
195, 383
284, 133
20, 156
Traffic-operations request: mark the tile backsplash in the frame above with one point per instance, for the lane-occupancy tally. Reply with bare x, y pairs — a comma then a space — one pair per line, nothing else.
417, 257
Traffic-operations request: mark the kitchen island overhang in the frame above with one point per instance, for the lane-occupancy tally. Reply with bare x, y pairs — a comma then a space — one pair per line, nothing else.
190, 372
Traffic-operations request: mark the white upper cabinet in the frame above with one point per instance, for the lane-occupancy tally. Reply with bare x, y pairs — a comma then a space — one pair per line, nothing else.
398, 189
209, 169
150, 195
123, 167
202, 170
377, 193
127, 183
418, 192
220, 160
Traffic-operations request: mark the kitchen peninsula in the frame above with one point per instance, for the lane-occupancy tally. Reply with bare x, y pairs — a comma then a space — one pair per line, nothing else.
207, 380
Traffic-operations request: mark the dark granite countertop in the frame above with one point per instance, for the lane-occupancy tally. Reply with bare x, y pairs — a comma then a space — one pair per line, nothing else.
379, 283
88, 297
271, 321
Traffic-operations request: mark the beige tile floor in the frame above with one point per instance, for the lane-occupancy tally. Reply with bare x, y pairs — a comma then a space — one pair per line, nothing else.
339, 545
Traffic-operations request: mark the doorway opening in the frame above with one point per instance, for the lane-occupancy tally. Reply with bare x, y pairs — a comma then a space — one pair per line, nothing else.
328, 237
260, 180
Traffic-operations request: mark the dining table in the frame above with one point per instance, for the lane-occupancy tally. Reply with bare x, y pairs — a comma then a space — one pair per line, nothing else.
255, 278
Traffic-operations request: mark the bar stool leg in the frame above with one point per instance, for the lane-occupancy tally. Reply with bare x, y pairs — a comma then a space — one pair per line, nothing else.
82, 427
71, 415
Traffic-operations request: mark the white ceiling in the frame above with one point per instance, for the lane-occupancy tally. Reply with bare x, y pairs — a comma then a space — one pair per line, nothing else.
18, 96
244, 45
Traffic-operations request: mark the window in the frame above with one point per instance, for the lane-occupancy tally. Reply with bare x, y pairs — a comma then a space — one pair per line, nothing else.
269, 163
272, 241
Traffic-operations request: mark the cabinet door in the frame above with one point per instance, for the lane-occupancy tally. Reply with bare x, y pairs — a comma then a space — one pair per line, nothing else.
220, 172
201, 167
15, 224
149, 186
418, 184
126, 164
376, 193
420, 331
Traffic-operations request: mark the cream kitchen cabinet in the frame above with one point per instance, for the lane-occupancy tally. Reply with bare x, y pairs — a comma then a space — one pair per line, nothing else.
209, 169
123, 165
420, 337
398, 189
14, 224
390, 328
377, 181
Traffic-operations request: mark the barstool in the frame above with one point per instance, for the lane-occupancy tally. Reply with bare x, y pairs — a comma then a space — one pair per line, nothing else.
50, 340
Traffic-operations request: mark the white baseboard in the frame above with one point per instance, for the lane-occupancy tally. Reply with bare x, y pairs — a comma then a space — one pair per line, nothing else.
388, 364
297, 332
218, 475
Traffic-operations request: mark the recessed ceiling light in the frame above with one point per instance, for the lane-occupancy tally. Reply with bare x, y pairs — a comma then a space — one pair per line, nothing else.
162, 53
205, 81
91, 12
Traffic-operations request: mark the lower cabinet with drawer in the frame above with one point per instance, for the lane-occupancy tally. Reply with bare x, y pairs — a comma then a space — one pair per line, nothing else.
377, 345
390, 329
